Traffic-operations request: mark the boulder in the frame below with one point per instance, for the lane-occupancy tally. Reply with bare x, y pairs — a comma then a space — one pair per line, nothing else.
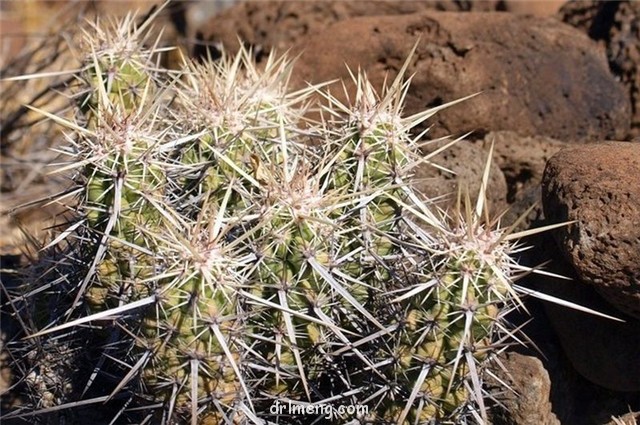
604, 351
527, 400
598, 186
460, 166
280, 24
516, 172
537, 76
615, 25
536, 7
522, 160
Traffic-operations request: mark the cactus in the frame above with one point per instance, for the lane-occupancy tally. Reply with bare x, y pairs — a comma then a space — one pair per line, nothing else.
117, 66
449, 318
225, 263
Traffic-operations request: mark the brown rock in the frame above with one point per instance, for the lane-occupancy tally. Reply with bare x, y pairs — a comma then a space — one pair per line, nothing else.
599, 186
616, 26
13, 39
536, 7
280, 24
528, 402
516, 172
464, 165
604, 351
522, 158
537, 76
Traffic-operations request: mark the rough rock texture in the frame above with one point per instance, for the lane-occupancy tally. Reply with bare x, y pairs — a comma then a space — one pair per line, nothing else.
529, 401
604, 351
599, 186
516, 173
280, 24
522, 160
537, 75
464, 162
616, 26
535, 7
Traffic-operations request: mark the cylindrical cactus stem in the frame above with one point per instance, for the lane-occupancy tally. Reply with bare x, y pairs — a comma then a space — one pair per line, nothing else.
371, 156
123, 204
461, 285
295, 232
118, 69
192, 337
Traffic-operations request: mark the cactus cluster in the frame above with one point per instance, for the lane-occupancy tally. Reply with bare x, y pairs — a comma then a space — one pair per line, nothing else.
229, 253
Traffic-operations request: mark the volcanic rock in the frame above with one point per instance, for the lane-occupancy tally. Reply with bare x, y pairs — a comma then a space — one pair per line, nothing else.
598, 186
536, 7
528, 401
280, 24
537, 76
615, 25
522, 160
460, 166
603, 350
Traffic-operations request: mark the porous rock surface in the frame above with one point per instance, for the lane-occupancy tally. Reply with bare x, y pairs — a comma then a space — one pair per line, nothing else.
615, 25
598, 186
603, 350
522, 160
517, 166
280, 24
537, 76
528, 402
460, 166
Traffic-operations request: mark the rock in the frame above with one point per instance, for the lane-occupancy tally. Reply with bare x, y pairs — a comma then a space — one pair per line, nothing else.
599, 186
465, 162
616, 26
604, 351
14, 39
517, 167
526, 210
528, 402
522, 158
522, 161
537, 76
280, 24
536, 8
